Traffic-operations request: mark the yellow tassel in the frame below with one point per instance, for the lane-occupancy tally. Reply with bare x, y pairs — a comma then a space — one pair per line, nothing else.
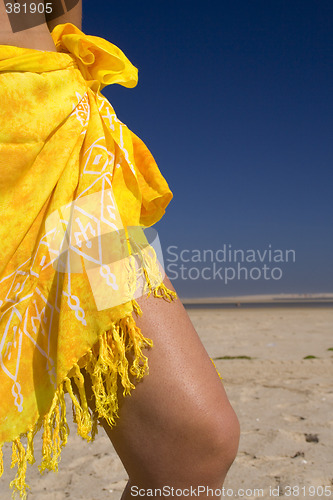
103, 371
19, 457
55, 432
30, 447
82, 415
111, 364
163, 292
137, 309
47, 447
63, 428
221, 378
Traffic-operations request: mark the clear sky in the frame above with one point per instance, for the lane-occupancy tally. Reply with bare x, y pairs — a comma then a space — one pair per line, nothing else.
234, 100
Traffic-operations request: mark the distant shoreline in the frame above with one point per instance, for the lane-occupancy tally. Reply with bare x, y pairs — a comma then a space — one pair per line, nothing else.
257, 305
282, 300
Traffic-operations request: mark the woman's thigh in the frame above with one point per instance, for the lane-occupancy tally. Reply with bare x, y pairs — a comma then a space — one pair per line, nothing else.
174, 410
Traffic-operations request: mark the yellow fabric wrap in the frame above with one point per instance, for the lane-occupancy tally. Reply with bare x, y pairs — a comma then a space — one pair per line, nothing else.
61, 142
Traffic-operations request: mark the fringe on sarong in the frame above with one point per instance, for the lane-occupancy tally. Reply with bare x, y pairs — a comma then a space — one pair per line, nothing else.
110, 372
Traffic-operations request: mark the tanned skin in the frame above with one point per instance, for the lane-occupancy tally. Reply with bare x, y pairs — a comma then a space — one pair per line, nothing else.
32, 30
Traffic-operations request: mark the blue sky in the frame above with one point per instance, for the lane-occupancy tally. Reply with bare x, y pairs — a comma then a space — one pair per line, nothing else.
234, 100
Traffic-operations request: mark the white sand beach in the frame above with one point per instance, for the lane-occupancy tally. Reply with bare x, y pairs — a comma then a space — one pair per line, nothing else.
283, 401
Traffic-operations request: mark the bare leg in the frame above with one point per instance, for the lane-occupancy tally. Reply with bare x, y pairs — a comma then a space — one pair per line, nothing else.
177, 428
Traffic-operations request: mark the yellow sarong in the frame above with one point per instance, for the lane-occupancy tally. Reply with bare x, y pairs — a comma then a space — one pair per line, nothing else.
66, 161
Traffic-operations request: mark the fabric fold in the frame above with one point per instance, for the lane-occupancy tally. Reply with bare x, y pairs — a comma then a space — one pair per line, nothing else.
97, 58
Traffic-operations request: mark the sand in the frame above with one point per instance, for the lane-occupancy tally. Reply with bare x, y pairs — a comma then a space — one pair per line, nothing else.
283, 401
